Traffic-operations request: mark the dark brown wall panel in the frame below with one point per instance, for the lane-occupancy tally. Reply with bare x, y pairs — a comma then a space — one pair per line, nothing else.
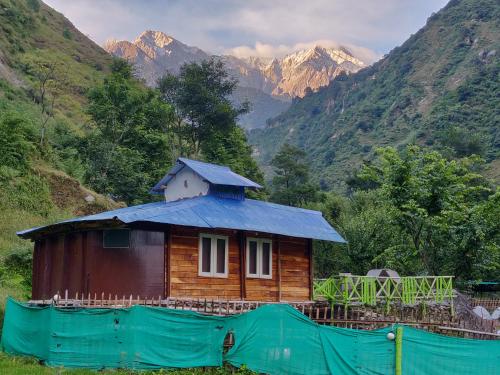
37, 270
45, 269
56, 254
73, 258
77, 262
137, 270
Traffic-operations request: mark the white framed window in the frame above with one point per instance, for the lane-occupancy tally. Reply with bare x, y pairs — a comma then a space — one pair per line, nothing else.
213, 255
259, 258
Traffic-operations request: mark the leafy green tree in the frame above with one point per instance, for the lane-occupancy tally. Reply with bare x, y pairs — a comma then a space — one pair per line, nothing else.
418, 213
15, 143
127, 150
366, 221
436, 203
205, 125
292, 185
462, 143
201, 98
475, 240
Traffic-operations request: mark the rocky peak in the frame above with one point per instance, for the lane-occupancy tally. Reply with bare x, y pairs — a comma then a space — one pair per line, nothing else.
154, 38
157, 43
155, 53
123, 49
323, 55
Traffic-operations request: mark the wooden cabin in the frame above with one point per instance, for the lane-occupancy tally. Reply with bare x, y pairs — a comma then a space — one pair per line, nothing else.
204, 240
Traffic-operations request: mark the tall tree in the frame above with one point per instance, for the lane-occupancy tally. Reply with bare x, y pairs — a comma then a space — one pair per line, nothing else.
48, 79
127, 149
206, 120
292, 185
200, 95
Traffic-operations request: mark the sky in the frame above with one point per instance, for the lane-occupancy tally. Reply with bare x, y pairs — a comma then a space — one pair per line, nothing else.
265, 28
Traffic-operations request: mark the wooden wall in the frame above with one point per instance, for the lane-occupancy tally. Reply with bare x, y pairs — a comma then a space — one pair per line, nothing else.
184, 279
78, 262
295, 278
185, 282
158, 265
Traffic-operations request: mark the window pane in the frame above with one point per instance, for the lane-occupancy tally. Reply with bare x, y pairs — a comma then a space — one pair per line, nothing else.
266, 264
116, 238
206, 250
221, 255
252, 257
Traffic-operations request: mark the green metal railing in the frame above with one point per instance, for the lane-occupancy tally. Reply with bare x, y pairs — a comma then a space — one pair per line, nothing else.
369, 290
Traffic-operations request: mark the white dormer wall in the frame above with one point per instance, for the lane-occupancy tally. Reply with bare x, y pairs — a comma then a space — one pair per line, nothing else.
185, 184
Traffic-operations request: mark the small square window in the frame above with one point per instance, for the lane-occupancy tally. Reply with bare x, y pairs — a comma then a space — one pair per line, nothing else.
259, 258
116, 238
213, 256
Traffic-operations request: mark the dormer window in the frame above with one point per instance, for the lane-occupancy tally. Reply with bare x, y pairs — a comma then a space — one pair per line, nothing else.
212, 255
193, 178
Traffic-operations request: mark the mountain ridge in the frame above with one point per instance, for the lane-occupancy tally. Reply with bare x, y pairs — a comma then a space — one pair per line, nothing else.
440, 89
268, 83
164, 52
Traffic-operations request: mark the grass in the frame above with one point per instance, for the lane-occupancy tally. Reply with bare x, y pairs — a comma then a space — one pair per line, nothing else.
12, 365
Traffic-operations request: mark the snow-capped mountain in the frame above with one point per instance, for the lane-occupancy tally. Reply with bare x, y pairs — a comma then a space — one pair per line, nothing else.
154, 53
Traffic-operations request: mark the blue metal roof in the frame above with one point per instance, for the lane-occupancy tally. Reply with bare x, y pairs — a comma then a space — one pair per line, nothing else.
215, 212
214, 174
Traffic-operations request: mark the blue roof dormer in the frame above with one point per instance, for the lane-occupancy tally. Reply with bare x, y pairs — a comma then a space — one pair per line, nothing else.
191, 178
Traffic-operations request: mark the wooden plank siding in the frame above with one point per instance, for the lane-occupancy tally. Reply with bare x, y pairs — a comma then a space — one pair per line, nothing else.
295, 266
185, 281
184, 278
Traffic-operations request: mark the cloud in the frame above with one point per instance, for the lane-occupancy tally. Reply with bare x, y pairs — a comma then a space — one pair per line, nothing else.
268, 50
258, 27
100, 20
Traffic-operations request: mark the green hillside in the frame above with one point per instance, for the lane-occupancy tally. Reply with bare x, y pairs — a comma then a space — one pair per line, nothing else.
439, 89
46, 68
34, 37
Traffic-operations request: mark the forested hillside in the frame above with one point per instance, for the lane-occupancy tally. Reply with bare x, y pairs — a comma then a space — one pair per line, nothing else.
439, 89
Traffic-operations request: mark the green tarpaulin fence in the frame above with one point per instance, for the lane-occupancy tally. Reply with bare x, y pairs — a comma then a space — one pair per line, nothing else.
274, 339
136, 337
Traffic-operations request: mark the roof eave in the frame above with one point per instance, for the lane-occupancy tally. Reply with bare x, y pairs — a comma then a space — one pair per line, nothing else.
65, 227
